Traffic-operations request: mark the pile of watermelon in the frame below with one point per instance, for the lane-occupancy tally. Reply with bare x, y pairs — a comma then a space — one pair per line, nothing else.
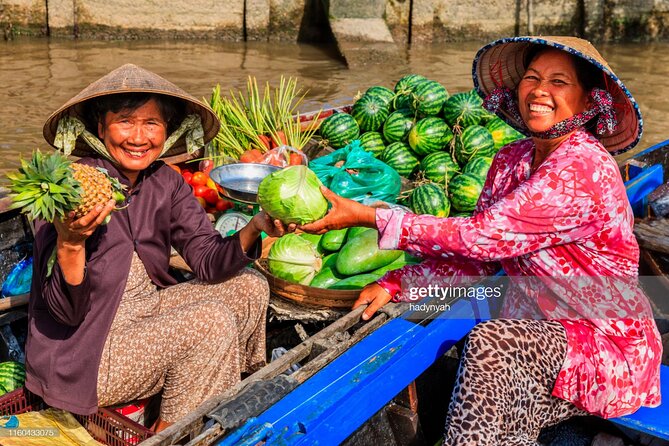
12, 376
444, 143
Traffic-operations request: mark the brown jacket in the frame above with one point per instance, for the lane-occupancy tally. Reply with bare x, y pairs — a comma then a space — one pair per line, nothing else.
68, 325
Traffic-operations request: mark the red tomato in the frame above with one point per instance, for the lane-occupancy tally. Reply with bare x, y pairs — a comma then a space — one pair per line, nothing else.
201, 190
251, 156
201, 201
188, 176
211, 196
199, 178
223, 205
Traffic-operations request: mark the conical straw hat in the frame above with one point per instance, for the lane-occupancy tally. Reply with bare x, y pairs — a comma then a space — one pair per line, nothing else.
130, 78
502, 64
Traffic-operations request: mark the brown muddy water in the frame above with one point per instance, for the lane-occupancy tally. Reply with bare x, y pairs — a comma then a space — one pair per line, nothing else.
39, 75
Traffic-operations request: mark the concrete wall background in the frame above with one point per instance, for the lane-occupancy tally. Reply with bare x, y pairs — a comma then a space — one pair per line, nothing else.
417, 21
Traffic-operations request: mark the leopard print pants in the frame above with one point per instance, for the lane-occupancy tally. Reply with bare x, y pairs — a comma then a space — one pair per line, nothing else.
192, 340
502, 395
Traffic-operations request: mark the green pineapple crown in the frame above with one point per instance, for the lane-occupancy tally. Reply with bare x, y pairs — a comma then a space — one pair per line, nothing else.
43, 187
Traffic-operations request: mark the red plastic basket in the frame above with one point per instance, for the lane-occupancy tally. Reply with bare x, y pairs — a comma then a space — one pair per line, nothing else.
105, 426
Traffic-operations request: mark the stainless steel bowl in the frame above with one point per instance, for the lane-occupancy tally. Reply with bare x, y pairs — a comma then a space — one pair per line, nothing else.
240, 181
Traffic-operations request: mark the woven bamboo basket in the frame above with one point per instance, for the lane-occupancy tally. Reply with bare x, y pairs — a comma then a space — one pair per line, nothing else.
307, 295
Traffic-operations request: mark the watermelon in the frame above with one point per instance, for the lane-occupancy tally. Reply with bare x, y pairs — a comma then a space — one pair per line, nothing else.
370, 112
429, 98
430, 199
439, 167
12, 376
397, 126
429, 135
464, 109
474, 141
478, 166
502, 133
404, 90
386, 95
398, 155
372, 142
339, 129
464, 191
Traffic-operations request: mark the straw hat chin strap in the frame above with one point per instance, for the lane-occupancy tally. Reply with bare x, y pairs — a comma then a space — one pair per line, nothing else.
505, 99
70, 128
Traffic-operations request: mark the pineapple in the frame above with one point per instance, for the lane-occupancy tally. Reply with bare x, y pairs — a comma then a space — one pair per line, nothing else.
50, 186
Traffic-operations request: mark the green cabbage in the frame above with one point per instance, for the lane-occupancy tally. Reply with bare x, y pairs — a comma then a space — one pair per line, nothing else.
292, 195
294, 259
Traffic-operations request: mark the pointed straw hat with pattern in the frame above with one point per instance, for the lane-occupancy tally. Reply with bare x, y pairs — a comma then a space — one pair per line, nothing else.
65, 129
500, 65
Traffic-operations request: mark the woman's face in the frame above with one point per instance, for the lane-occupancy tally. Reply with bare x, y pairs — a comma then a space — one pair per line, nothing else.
134, 138
550, 91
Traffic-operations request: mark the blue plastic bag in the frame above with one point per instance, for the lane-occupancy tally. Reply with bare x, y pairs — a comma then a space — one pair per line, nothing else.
354, 173
19, 279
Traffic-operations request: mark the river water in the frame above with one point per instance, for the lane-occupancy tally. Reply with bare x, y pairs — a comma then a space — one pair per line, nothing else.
39, 75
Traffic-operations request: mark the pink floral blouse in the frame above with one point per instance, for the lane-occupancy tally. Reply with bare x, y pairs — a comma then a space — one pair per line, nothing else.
567, 220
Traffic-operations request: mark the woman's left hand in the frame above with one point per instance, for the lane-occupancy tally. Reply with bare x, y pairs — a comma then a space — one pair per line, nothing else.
273, 228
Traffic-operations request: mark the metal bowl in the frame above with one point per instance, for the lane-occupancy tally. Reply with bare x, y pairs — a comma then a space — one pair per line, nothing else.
240, 181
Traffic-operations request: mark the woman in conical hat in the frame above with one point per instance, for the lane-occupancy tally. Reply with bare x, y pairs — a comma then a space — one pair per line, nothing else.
575, 335
108, 323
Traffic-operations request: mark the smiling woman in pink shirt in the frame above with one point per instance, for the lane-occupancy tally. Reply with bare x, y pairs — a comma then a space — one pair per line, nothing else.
553, 211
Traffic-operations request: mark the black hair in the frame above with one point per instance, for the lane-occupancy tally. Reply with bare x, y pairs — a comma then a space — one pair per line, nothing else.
171, 109
589, 76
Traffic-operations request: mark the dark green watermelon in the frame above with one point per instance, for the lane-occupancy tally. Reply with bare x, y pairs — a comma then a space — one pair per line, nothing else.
464, 109
399, 156
430, 199
474, 141
404, 90
372, 142
478, 166
383, 93
370, 112
339, 129
502, 133
429, 135
429, 97
397, 126
439, 167
464, 191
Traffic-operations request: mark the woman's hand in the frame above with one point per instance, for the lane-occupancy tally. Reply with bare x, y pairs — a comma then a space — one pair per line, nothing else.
261, 222
344, 213
75, 232
374, 295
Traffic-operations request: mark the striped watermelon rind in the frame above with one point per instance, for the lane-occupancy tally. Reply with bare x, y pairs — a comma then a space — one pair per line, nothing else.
478, 166
398, 155
439, 167
429, 135
372, 142
12, 376
429, 97
464, 109
502, 133
475, 140
370, 113
398, 125
464, 191
404, 90
385, 94
339, 129
430, 199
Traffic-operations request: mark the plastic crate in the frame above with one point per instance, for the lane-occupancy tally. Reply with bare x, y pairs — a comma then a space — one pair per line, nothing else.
105, 426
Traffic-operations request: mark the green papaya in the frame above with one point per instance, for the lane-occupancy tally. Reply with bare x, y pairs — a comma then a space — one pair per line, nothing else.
403, 260
356, 282
357, 230
362, 254
330, 260
333, 240
326, 277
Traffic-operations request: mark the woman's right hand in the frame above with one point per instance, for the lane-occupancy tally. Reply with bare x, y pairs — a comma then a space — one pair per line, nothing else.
343, 213
75, 232
374, 295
